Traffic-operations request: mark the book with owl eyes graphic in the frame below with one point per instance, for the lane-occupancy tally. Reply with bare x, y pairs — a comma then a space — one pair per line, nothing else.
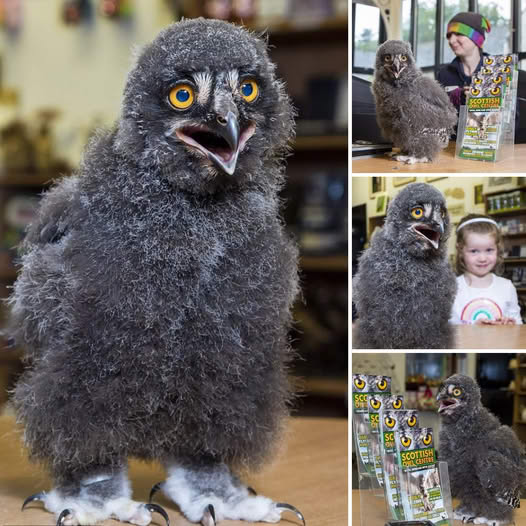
485, 123
420, 489
363, 386
391, 421
377, 403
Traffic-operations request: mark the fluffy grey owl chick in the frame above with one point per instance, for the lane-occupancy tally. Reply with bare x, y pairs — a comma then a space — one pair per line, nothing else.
156, 285
485, 459
413, 111
404, 288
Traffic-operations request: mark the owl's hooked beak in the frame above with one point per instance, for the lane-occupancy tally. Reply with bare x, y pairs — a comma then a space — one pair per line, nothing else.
397, 67
431, 233
220, 141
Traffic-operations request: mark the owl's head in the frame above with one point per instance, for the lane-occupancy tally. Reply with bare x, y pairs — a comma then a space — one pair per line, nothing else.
203, 106
395, 61
458, 393
417, 220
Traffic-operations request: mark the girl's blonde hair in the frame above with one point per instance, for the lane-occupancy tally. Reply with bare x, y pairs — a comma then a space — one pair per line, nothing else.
479, 227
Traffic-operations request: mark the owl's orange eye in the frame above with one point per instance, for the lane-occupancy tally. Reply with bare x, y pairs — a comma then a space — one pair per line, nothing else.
417, 212
427, 439
406, 441
382, 384
508, 59
495, 91
389, 422
397, 404
488, 61
478, 80
497, 80
375, 403
411, 421
475, 91
181, 96
506, 69
457, 391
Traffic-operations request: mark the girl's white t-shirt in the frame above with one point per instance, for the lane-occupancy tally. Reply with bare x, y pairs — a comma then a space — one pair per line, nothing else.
499, 300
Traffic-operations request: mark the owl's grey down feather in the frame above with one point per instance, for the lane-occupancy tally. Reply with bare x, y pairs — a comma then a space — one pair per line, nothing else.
155, 290
486, 461
404, 288
413, 111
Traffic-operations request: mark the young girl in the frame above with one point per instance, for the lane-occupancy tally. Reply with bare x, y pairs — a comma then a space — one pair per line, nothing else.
482, 297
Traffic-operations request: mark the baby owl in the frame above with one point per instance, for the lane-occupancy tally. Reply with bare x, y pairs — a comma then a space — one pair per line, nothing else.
412, 110
486, 461
154, 297
404, 288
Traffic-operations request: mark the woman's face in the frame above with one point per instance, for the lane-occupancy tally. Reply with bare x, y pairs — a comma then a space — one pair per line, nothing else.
461, 45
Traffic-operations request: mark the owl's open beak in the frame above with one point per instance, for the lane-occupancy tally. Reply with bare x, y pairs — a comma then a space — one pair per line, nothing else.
429, 233
397, 67
446, 405
220, 141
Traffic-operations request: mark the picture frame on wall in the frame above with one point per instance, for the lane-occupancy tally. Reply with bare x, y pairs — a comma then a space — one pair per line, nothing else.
479, 194
400, 181
380, 205
376, 186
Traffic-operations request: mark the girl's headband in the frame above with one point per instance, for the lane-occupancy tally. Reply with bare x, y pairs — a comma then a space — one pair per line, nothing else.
477, 220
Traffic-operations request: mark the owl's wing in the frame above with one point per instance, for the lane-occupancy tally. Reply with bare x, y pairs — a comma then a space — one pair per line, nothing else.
56, 215
500, 468
439, 111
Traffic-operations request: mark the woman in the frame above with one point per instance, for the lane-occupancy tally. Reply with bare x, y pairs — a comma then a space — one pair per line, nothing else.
466, 33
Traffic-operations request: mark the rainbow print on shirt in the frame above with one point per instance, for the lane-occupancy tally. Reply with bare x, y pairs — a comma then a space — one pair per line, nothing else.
480, 309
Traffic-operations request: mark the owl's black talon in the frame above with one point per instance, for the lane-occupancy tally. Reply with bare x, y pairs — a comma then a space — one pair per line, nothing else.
290, 507
209, 516
252, 490
158, 509
31, 498
154, 490
62, 517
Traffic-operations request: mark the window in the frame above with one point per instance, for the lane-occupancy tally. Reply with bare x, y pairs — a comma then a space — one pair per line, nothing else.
451, 8
498, 12
406, 20
426, 30
366, 32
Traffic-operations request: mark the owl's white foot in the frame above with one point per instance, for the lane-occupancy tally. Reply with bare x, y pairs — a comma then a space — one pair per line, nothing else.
463, 515
410, 159
75, 511
491, 522
211, 494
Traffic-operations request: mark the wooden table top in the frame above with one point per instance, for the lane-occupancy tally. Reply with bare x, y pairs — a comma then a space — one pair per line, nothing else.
490, 337
445, 163
377, 511
311, 474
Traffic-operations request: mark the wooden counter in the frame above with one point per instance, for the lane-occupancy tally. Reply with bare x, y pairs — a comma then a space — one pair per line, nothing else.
490, 337
376, 508
311, 474
445, 163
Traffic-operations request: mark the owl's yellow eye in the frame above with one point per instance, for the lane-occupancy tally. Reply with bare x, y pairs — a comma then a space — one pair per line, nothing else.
358, 382
475, 91
411, 421
506, 69
495, 91
375, 404
382, 384
508, 59
403, 58
417, 212
486, 71
249, 90
389, 422
406, 441
181, 96
497, 80
427, 439
488, 61
388, 58
478, 81
457, 391
397, 404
